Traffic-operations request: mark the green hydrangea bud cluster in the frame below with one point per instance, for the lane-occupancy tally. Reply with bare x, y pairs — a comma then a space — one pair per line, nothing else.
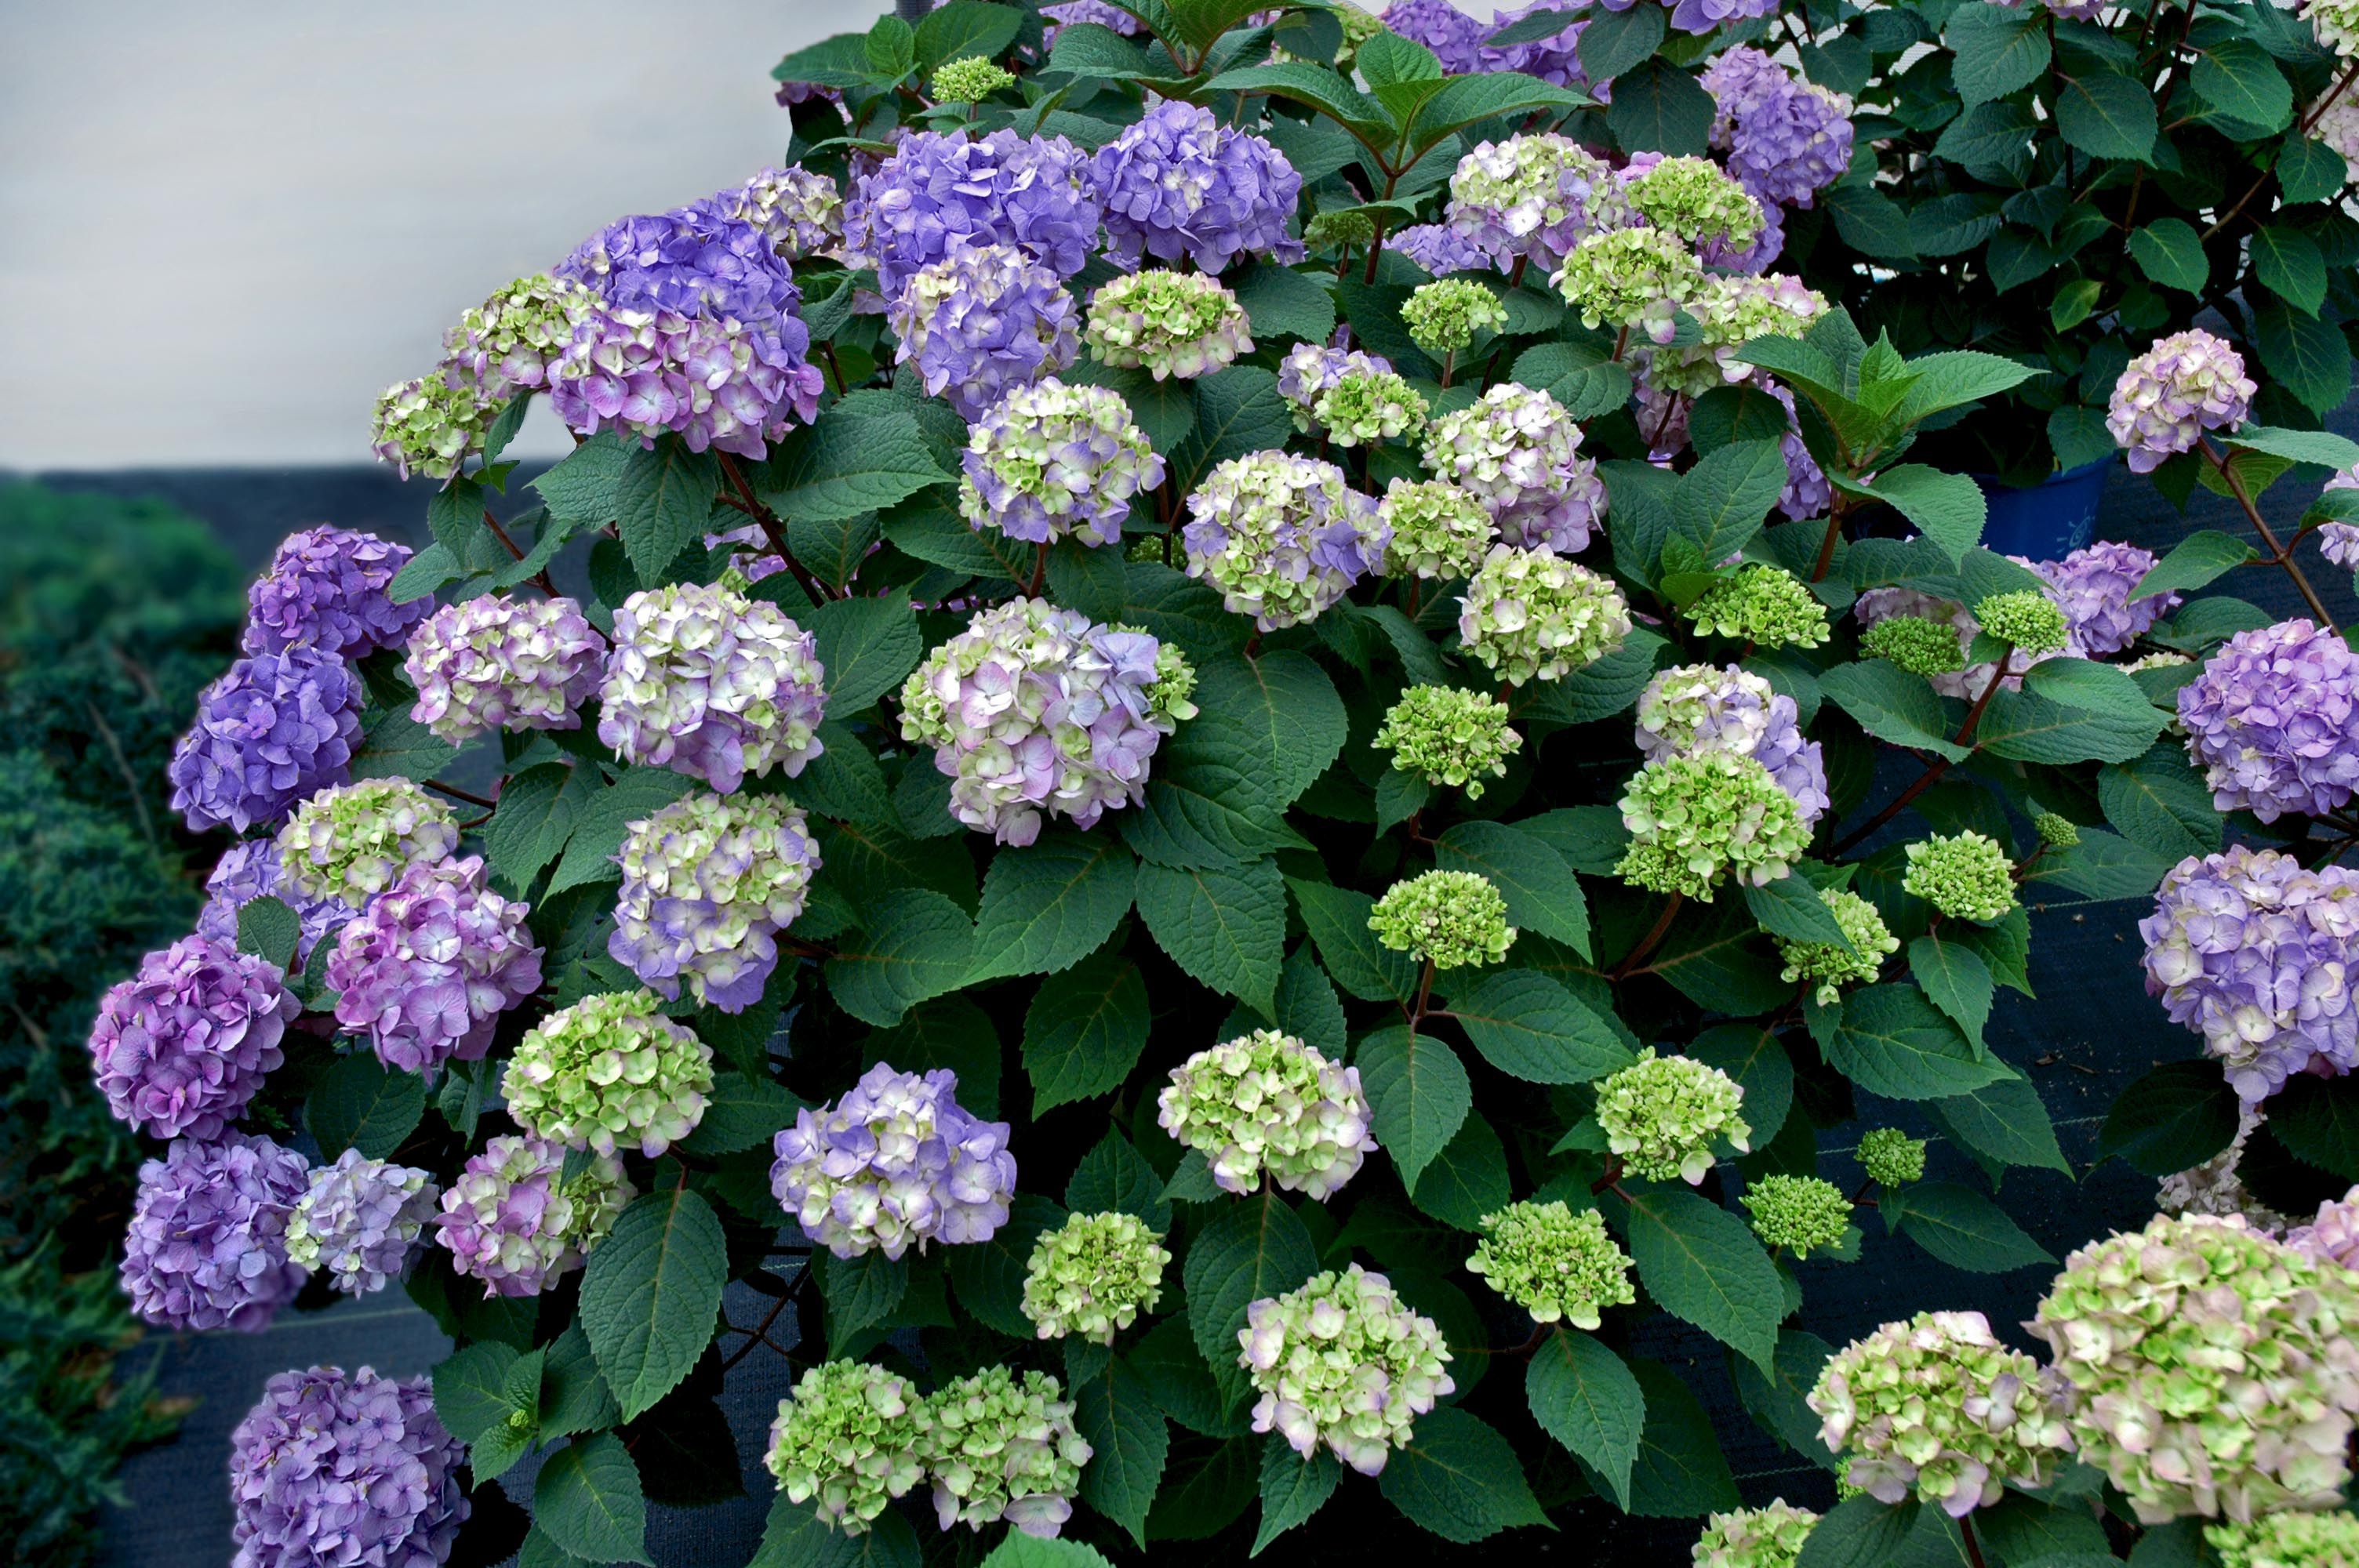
1174, 682
2165, 660
1343, 1362
428, 427
1833, 967
1444, 315
846, 1441
1328, 230
1937, 1405
1890, 1157
1965, 875
351, 842
1168, 324
1754, 1537
1695, 200
1729, 313
1266, 1103
1918, 646
1366, 406
1093, 1275
1763, 605
1453, 918
1557, 1265
1629, 277
1797, 1213
1529, 615
1662, 1114
2029, 619
610, 1070
1439, 530
1696, 819
2212, 1369
969, 80
2056, 832
513, 339
1448, 735
2288, 1541
1000, 1446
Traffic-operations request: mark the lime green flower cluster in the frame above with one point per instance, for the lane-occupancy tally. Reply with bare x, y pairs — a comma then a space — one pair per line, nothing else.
608, 1071
1629, 277
1918, 646
1797, 1213
2028, 620
1439, 530
969, 80
1000, 1446
846, 1441
2056, 832
1890, 1157
1529, 615
1729, 313
1266, 1103
1834, 967
1662, 1114
1327, 231
1343, 1361
1555, 1264
352, 841
2288, 1541
2212, 1369
428, 427
1366, 406
1763, 605
1695, 200
1965, 875
1696, 819
1453, 918
1093, 1275
1444, 315
1450, 735
1754, 1537
1168, 324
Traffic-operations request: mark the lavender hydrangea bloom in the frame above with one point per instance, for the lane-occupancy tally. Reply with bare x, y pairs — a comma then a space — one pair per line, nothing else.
801, 212
2185, 384
327, 1469
360, 1221
1697, 709
1552, 59
1282, 536
1439, 248
937, 194
1049, 461
2273, 721
1518, 451
1703, 15
179, 1048
1454, 36
708, 683
513, 1221
1533, 197
1179, 183
2339, 543
498, 663
427, 968
981, 321
708, 883
2254, 952
326, 589
207, 1246
1068, 12
1787, 139
895, 1160
1807, 491
2333, 1236
512, 341
2094, 585
250, 870
277, 728
1310, 369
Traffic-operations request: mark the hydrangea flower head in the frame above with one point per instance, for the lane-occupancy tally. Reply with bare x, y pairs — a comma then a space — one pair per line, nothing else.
1698, 710
512, 341
2184, 386
1763, 605
1691, 197
2288, 1541
1729, 312
1442, 317
2337, 22
1035, 711
498, 663
1831, 966
1438, 247
331, 1469
1448, 735
2026, 619
1265, 1104
1343, 1362
1530, 615
1093, 1275
1661, 1116
1890, 1157
2333, 1236
207, 1244
707, 682
1696, 819
708, 883
1453, 35
275, 729
1450, 919
1966, 875
2055, 831
1557, 1265
610, 1071
513, 1220
1001, 1446
424, 972
249, 870
1050, 461
981, 321
896, 1160
1282, 536
1533, 197
1636, 276
350, 843
799, 212
1177, 183
1338, 230
968, 80
1768, 1537
2273, 721
430, 425
2093, 586
1785, 138
326, 588
1918, 645
2212, 1370
1800, 1213
1311, 369
359, 1220
180, 1047
1517, 449
1367, 406
2338, 542
1181, 324
1969, 682
1438, 529
846, 1443
939, 193
1554, 59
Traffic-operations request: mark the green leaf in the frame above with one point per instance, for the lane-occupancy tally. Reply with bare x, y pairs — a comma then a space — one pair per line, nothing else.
1254, 1247
892, 49
963, 28
358, 1104
1961, 1227
1586, 1397
860, 1293
2101, 866
2028, 728
2194, 562
1467, 1180
1871, 223
1541, 893
1277, 714
866, 646
2288, 261
1602, 689
1086, 49
1955, 979
1529, 1027
2318, 1119
2308, 354
2168, 251
2025, 1530
489, 1396
583, 485
1418, 1093
1226, 928
1084, 1030
1892, 1041
796, 1537
587, 1500
1465, 99
1577, 375
1892, 706
1702, 1264
989, 1275
1721, 501
2094, 687
2005, 1123
650, 1293
866, 454
2324, 448
1292, 1487
916, 944
1859, 1533
1116, 1414
1337, 919
2173, 1119
1776, 1403
269, 930
395, 745
2238, 80
1318, 87
1051, 904
1953, 379
1017, 1549
1459, 1479
2162, 803
1279, 303
2106, 115
1994, 136
1719, 960
537, 812
1948, 508
1682, 1470
1791, 907
1657, 107
603, 818
663, 498
2308, 171
1306, 1004
1238, 410
1115, 1177
1951, 224
1750, 1054
1615, 41
1998, 50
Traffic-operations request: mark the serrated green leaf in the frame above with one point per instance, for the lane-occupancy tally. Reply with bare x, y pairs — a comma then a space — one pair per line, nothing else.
1961, 1227
1467, 1180
1702, 1264
989, 1275
916, 944
866, 454
1417, 1092
1750, 1054
1777, 1403
2107, 115
650, 1293
1892, 706
2306, 353
1227, 928
396, 746
1529, 1027
1998, 50
1252, 1248
2027, 727
2318, 1119
860, 1293
2237, 79
866, 647
1860, 1532
1292, 1487
1955, 979
663, 498
269, 930
2004, 1122
1682, 1471
1721, 501
2173, 1119
603, 818
587, 1499
1116, 1414
1459, 1479
1084, 1030
582, 486
1657, 107
1586, 1397
2160, 802
1791, 907
2286, 261
359, 1104
1892, 1041
1048, 905
2168, 251
1115, 1177
1541, 893
1579, 377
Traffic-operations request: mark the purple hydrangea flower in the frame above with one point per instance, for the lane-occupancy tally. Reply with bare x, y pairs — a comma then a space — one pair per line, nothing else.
1518, 451
1179, 183
1068, 12
179, 1048
802, 212
895, 1160
326, 589
1282, 536
981, 321
360, 1221
2254, 953
1534, 197
1552, 59
2185, 384
1049, 461
328, 1469
1454, 36
937, 194
2273, 721
498, 663
1702, 16
1698, 710
1806, 491
512, 341
207, 1246
1310, 369
252, 869
2339, 543
427, 968
708, 683
1440, 249
708, 883
1785, 138
2333, 1236
277, 728
514, 1221
2093, 586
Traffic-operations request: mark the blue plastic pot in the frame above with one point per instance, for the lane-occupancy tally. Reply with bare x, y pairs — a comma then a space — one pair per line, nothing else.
2048, 520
